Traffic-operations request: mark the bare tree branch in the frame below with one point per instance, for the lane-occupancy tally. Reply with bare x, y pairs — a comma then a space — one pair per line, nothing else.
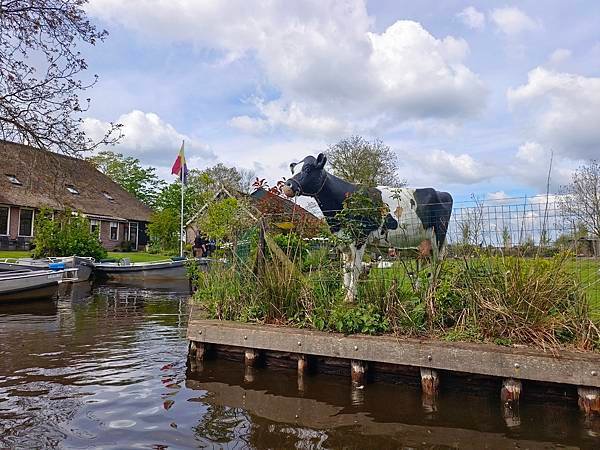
40, 71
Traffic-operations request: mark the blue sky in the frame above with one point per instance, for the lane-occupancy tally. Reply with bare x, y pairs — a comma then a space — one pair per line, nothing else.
472, 96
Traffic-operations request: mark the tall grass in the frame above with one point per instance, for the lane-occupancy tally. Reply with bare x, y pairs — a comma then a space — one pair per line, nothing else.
503, 299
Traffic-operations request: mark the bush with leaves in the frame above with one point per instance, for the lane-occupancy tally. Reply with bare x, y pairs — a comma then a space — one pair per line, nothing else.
65, 234
163, 231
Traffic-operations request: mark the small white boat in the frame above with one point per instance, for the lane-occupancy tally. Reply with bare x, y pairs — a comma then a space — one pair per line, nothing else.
84, 266
125, 270
18, 285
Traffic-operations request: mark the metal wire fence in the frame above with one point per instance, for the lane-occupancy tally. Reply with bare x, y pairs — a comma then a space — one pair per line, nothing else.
518, 270
528, 228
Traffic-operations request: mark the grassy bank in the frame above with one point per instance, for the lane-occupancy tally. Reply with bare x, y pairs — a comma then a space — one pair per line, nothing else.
133, 256
544, 302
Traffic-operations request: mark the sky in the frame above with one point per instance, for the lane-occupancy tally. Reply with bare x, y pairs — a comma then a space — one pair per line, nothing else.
473, 97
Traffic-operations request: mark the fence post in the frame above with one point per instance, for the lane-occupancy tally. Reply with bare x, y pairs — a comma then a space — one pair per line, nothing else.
260, 253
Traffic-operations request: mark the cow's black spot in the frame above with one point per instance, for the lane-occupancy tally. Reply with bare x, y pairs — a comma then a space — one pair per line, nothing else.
390, 222
412, 203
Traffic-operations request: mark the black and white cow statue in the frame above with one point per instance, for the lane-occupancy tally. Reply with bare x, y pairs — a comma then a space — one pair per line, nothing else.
416, 218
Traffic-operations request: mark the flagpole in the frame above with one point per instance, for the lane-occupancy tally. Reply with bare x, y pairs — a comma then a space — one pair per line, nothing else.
181, 178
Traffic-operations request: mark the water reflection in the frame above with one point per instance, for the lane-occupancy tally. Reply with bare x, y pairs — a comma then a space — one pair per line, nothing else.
329, 411
105, 366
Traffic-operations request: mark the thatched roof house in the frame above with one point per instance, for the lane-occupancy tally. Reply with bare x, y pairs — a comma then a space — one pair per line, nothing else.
31, 179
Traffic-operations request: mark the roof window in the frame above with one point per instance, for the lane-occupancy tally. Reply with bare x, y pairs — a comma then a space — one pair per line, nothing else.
72, 189
13, 179
108, 196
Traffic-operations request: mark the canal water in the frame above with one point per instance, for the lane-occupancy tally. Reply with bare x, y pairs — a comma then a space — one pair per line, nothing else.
105, 367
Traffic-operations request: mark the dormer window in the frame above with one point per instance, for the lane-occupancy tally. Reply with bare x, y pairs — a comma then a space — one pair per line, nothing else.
13, 179
108, 196
72, 189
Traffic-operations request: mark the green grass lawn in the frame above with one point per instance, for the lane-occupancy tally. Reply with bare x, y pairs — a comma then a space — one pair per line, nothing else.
133, 256
138, 256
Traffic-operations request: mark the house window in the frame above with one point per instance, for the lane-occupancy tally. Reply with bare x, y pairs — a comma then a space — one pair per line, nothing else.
26, 222
108, 197
4, 219
114, 231
72, 189
95, 226
13, 179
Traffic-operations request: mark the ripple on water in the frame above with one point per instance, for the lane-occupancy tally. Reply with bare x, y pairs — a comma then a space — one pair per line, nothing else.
109, 371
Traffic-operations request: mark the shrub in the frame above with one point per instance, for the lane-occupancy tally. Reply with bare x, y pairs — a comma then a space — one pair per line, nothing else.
502, 299
163, 231
65, 234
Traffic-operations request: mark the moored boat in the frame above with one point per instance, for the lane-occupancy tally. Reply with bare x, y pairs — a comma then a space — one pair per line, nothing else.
84, 266
157, 270
26, 284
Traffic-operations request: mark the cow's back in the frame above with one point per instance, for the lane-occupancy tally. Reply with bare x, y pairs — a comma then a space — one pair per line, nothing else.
412, 212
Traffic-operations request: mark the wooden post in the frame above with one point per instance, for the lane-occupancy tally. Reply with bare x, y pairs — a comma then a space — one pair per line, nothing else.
251, 357
302, 369
302, 364
510, 394
358, 371
430, 383
589, 400
197, 350
248, 374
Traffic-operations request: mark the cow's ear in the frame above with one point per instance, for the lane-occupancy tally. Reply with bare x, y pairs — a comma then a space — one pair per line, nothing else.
321, 160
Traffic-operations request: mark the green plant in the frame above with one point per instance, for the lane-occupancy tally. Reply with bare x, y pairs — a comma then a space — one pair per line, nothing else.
362, 213
65, 234
362, 318
163, 231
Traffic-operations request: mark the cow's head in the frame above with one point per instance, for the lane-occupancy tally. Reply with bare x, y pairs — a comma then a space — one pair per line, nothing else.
310, 177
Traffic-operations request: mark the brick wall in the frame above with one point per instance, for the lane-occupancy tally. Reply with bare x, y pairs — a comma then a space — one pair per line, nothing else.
107, 243
14, 222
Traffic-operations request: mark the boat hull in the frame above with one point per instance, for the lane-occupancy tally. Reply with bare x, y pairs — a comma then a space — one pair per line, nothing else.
163, 270
34, 285
84, 266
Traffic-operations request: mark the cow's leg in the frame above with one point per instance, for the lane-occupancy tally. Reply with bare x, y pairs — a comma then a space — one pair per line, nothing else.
348, 255
435, 251
355, 271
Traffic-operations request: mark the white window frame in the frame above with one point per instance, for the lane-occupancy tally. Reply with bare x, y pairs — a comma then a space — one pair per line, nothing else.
110, 225
7, 221
137, 232
97, 223
32, 221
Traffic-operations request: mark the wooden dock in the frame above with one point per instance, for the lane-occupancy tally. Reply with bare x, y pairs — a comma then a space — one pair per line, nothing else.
432, 357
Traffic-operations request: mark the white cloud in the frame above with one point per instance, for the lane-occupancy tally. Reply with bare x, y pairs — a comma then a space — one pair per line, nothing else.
447, 167
531, 164
499, 197
559, 56
151, 139
512, 21
472, 18
564, 108
331, 72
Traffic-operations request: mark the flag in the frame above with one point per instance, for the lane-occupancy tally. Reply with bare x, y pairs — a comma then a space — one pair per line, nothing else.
180, 166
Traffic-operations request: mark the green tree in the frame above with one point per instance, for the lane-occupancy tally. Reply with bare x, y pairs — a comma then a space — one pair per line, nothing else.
163, 231
368, 163
223, 219
130, 175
